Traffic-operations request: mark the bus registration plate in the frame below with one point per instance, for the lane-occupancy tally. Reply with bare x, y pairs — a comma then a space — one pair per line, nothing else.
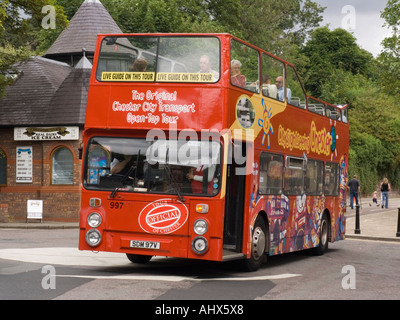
145, 244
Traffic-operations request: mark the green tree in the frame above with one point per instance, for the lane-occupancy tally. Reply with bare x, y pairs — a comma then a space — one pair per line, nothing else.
23, 22
389, 59
21, 33
328, 51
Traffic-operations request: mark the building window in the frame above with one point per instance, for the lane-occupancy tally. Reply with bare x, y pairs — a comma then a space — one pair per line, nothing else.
62, 166
3, 168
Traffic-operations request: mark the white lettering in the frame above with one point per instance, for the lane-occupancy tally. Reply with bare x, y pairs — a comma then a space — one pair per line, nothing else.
349, 281
183, 311
49, 280
349, 20
125, 106
49, 21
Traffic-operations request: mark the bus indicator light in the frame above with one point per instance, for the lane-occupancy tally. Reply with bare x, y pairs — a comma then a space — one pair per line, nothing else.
95, 202
202, 208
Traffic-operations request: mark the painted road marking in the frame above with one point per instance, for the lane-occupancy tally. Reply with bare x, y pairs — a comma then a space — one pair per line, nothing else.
179, 278
74, 257
65, 256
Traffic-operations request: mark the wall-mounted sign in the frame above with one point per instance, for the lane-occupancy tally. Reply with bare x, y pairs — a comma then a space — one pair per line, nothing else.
46, 133
24, 165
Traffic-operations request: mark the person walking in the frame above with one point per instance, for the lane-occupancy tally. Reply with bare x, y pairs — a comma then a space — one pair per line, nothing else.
385, 188
354, 186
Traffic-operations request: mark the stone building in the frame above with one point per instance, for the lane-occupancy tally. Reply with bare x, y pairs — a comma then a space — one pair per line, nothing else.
42, 118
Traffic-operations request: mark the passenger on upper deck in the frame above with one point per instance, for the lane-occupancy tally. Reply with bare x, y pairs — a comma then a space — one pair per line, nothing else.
237, 78
205, 67
281, 90
268, 89
139, 65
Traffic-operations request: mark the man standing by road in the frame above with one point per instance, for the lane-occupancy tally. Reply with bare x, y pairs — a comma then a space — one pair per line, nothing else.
354, 186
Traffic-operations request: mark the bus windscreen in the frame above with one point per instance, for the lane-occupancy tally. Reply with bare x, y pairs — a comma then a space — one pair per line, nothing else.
159, 166
159, 59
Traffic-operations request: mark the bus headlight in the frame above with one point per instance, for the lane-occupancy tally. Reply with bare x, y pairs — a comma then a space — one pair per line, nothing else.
94, 219
199, 245
93, 237
200, 227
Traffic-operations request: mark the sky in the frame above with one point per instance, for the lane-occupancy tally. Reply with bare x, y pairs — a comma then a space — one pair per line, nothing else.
361, 18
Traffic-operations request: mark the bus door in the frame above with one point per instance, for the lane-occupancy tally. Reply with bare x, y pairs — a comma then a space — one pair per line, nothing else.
234, 209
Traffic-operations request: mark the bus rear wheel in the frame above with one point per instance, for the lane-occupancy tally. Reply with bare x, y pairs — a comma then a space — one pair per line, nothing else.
138, 258
323, 236
259, 245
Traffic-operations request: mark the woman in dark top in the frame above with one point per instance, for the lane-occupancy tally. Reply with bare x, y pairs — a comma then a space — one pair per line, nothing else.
385, 188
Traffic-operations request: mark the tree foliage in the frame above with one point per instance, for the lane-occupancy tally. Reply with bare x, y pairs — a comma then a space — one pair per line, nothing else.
22, 35
331, 51
389, 59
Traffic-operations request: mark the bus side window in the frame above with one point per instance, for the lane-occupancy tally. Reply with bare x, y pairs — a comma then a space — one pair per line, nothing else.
316, 106
294, 90
331, 181
294, 176
271, 70
245, 68
333, 112
314, 177
344, 115
271, 168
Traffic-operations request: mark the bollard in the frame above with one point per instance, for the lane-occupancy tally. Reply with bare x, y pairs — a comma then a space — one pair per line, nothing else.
357, 229
398, 223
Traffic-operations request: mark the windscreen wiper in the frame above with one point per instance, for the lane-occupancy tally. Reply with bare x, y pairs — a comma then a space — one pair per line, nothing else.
123, 180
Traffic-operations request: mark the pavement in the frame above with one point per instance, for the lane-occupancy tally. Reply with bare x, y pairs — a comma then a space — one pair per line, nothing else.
376, 223
39, 225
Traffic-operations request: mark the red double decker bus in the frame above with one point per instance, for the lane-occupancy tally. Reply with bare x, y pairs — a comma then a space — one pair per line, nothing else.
203, 146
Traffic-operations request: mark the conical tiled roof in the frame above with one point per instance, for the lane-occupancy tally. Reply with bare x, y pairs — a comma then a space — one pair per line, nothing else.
28, 99
90, 20
68, 105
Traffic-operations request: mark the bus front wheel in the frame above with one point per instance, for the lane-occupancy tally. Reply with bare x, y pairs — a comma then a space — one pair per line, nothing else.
138, 258
259, 246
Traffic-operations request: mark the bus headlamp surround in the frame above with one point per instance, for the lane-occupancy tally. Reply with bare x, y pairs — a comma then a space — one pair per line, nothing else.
93, 237
94, 219
199, 245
